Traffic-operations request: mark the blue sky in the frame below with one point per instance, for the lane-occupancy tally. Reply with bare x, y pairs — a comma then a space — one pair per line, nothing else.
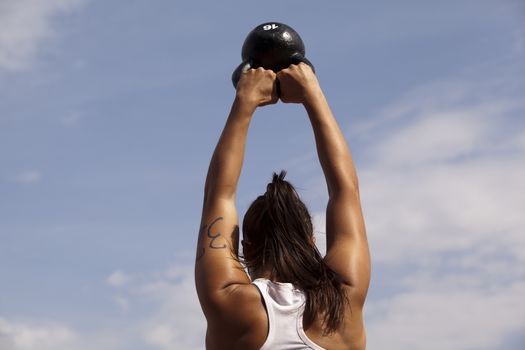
109, 113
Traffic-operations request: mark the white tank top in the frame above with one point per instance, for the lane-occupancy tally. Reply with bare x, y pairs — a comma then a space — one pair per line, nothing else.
285, 308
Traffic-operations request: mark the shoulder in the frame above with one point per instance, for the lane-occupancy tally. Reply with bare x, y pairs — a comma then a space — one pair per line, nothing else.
238, 319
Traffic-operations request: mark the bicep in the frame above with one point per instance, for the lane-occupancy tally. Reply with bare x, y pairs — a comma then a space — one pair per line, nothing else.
347, 250
216, 264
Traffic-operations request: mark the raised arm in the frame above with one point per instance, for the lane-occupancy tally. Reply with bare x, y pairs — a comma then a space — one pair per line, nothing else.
215, 266
347, 247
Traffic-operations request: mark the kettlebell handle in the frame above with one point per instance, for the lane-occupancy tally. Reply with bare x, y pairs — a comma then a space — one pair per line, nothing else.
298, 58
242, 68
245, 66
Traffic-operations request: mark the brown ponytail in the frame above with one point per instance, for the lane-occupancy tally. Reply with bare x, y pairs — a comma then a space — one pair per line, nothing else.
280, 231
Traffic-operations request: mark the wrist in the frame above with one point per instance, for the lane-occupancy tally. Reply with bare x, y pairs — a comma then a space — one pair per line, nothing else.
313, 98
244, 106
245, 103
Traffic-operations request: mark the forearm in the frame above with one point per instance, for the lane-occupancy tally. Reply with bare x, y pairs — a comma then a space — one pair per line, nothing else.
226, 163
334, 154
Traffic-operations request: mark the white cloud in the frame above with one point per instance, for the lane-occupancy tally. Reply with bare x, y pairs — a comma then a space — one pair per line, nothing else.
427, 193
170, 317
446, 317
25, 335
118, 279
28, 177
175, 319
31, 334
24, 27
444, 135
178, 322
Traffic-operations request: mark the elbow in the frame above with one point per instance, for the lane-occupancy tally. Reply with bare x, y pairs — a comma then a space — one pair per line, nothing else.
216, 192
345, 186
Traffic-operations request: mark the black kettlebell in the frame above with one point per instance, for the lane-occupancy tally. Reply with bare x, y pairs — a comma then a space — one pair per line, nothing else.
271, 45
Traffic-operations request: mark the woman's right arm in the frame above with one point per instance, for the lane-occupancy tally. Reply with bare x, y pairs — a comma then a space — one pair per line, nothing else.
347, 250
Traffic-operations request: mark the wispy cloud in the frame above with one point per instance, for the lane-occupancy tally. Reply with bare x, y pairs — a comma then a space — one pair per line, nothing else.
30, 334
118, 279
178, 321
24, 27
446, 316
448, 180
446, 135
27, 335
28, 177
175, 320
170, 318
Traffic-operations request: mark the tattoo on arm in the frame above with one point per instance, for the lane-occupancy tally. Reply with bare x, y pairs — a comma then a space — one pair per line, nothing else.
213, 237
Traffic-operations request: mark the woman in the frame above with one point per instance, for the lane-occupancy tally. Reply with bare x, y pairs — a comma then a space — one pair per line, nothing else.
295, 299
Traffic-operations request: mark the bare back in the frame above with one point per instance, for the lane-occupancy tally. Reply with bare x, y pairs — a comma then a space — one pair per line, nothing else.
245, 325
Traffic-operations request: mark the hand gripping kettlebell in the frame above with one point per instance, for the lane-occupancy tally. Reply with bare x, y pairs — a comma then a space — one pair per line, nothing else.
272, 46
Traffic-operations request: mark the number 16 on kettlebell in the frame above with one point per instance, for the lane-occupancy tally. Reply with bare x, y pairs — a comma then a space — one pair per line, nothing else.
271, 45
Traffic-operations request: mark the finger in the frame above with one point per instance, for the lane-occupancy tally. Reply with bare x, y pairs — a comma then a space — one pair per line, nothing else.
282, 72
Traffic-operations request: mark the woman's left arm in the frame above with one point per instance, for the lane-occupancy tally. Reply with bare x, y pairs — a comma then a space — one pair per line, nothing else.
216, 264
